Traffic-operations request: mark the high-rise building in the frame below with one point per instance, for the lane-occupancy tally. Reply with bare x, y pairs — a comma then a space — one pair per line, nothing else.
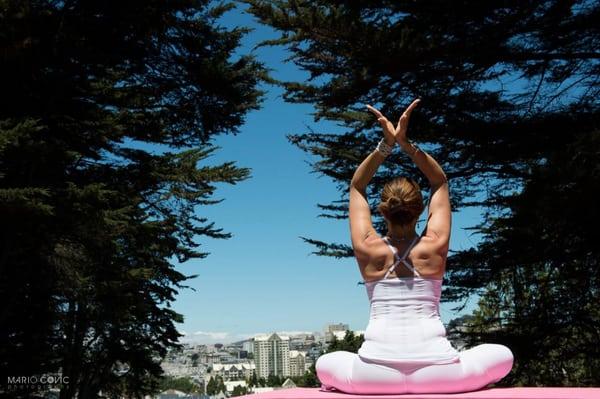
297, 363
248, 346
272, 355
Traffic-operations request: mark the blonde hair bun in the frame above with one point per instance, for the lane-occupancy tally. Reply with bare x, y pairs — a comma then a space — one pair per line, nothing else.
401, 201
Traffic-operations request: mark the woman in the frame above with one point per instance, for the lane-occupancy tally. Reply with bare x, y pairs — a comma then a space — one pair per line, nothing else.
405, 348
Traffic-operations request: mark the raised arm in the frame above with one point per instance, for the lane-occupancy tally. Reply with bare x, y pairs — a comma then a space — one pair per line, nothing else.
440, 216
361, 227
359, 212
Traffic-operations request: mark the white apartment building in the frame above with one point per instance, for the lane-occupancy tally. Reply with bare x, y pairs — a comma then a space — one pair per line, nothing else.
248, 346
210, 358
297, 363
272, 355
236, 371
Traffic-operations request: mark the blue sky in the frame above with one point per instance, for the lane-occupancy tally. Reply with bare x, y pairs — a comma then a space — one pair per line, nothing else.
264, 279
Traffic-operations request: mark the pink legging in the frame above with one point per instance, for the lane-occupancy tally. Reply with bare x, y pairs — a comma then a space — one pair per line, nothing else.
477, 367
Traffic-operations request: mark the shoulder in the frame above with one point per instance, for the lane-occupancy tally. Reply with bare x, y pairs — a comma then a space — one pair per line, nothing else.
432, 247
435, 238
372, 246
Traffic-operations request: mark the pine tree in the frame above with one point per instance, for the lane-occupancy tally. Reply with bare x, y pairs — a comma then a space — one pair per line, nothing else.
310, 378
273, 380
239, 390
253, 380
107, 115
543, 298
350, 343
506, 89
211, 387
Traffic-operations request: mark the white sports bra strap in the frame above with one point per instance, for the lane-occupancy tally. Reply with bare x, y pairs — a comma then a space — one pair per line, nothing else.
400, 259
392, 248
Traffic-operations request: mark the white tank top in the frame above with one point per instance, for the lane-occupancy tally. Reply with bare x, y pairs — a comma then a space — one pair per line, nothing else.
404, 324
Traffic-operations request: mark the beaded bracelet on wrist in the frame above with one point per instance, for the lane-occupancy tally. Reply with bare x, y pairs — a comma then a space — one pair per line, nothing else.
384, 148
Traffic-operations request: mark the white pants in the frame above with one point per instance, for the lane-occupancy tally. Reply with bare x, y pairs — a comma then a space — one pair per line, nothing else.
477, 367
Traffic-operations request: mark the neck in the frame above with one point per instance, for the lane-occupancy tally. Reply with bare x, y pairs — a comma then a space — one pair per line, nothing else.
401, 232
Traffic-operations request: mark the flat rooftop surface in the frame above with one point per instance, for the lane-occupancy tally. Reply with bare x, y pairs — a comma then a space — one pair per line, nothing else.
494, 393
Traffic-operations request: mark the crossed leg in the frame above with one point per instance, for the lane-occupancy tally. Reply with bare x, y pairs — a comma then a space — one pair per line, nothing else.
477, 367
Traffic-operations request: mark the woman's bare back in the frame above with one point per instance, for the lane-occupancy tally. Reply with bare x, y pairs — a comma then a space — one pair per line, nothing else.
428, 257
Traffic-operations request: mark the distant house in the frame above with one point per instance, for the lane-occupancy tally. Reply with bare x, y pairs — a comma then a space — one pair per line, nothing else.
230, 385
288, 383
234, 371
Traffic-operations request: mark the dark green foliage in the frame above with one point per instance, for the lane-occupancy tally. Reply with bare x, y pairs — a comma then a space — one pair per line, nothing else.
239, 390
253, 381
107, 111
274, 380
542, 300
194, 359
508, 89
215, 385
308, 380
350, 343
183, 384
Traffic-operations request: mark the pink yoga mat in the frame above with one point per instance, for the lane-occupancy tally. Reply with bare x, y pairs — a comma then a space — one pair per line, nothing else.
495, 393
